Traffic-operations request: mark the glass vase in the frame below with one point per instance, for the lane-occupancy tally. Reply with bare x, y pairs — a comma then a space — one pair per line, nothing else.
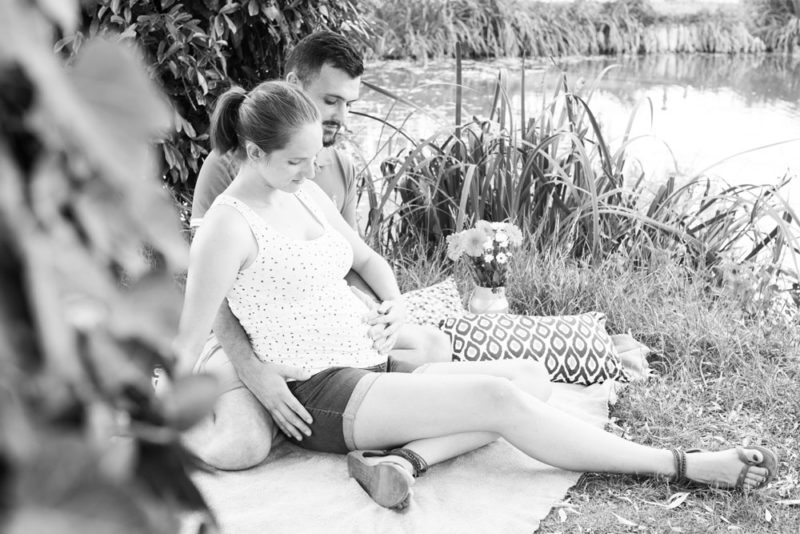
488, 300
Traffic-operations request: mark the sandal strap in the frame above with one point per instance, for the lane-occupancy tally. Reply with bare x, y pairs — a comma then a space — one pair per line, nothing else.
419, 463
680, 465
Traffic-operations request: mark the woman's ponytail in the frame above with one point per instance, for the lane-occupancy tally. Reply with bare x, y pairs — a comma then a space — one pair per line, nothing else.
268, 116
225, 120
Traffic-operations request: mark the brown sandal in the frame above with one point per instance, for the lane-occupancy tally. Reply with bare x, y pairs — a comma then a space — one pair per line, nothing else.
386, 481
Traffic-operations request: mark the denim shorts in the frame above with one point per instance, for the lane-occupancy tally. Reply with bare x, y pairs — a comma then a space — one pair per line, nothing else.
333, 397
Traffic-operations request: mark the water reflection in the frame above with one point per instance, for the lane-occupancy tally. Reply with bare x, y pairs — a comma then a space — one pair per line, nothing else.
705, 108
757, 79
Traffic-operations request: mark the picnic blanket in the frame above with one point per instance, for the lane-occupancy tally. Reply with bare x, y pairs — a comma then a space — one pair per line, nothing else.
495, 489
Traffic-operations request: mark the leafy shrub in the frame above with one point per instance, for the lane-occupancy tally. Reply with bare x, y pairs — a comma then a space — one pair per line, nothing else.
197, 49
82, 435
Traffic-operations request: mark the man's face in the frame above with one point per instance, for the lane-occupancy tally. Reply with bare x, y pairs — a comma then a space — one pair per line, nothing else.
333, 91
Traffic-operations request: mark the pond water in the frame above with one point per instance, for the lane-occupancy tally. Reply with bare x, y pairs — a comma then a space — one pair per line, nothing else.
706, 109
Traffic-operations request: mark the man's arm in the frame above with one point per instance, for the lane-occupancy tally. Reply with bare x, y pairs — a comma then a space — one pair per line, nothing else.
267, 381
348, 169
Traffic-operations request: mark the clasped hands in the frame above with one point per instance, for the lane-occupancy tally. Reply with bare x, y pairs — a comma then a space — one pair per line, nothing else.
385, 320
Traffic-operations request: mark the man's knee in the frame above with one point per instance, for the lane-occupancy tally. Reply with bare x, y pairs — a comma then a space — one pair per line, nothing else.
239, 436
234, 453
436, 345
531, 376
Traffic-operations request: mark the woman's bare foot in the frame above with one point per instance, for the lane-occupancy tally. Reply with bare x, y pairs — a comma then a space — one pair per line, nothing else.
745, 468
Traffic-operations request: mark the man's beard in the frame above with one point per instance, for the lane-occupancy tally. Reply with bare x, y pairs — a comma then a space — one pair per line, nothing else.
330, 130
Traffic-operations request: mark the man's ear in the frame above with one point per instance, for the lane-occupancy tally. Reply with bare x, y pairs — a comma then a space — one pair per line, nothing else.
292, 78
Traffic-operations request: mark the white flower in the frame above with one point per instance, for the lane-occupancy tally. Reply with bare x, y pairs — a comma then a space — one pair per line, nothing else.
488, 244
485, 227
514, 235
501, 237
487, 258
473, 242
502, 258
455, 246
496, 225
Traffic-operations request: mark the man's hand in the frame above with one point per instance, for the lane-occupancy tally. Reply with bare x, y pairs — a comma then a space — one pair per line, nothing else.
385, 320
267, 381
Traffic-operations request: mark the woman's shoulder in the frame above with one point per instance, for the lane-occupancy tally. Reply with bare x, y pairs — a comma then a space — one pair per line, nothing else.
225, 218
314, 192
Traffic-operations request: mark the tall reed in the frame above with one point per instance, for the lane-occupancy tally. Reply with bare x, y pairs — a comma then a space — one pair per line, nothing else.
498, 28
555, 175
777, 22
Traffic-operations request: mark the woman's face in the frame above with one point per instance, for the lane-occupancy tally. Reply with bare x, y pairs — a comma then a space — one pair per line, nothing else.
286, 169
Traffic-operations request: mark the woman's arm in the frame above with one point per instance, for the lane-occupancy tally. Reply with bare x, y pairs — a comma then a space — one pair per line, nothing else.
390, 314
375, 271
222, 245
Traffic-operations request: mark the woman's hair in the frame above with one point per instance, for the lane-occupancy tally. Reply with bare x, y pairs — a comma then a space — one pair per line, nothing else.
268, 116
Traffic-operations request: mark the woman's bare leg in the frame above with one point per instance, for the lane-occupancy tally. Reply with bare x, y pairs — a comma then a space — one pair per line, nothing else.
400, 409
379, 476
529, 376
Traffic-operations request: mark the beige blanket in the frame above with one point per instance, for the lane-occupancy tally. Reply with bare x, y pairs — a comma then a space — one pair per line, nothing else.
496, 489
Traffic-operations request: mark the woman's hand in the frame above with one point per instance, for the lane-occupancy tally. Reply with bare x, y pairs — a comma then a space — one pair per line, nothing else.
267, 381
385, 320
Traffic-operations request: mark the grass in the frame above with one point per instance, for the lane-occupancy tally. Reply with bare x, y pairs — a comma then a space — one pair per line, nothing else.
724, 377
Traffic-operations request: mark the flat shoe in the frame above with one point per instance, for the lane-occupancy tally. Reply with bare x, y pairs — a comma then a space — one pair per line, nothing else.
769, 461
386, 481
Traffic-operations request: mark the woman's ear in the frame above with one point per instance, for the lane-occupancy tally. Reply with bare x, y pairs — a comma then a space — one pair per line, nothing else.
292, 78
252, 150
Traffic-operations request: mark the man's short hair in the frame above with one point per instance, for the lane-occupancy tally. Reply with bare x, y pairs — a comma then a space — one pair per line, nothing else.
313, 51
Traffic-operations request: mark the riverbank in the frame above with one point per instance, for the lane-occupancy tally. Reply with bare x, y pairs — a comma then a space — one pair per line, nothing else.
431, 28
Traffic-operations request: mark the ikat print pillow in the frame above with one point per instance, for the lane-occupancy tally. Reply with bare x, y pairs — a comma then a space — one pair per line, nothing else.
573, 348
431, 305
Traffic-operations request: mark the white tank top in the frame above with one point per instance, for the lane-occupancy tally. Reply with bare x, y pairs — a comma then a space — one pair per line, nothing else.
293, 301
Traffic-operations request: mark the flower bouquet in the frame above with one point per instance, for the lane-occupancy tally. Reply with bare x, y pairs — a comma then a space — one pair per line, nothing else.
488, 249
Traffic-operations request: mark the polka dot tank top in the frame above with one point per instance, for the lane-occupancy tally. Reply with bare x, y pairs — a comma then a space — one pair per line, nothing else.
293, 301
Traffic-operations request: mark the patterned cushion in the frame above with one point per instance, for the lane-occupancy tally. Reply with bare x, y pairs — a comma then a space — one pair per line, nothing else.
574, 348
431, 305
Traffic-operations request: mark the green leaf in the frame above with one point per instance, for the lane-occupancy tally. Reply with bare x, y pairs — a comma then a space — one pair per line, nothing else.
271, 12
252, 8
64, 12
120, 111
